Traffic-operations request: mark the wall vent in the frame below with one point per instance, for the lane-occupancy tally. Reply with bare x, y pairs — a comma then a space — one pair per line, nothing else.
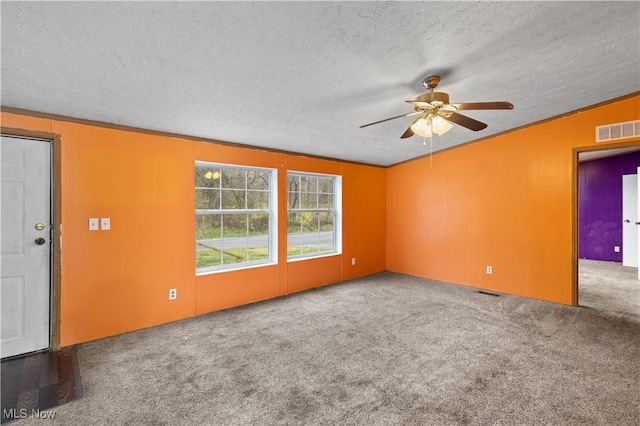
610, 132
487, 293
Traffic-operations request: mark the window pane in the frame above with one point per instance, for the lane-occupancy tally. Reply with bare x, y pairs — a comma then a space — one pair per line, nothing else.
234, 238
233, 199
310, 222
309, 184
327, 228
208, 232
294, 200
325, 185
257, 180
293, 183
327, 242
294, 241
257, 200
325, 201
235, 253
294, 222
326, 221
233, 226
208, 177
258, 236
207, 198
234, 178
310, 232
206, 258
309, 200
259, 224
208, 226
309, 237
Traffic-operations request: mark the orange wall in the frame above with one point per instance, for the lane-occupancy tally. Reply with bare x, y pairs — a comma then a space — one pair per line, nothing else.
118, 280
504, 201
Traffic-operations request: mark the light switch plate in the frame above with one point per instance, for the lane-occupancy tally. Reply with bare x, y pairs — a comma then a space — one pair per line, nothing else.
93, 224
105, 223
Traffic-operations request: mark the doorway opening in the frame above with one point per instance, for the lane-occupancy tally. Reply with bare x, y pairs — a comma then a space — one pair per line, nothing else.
31, 241
601, 280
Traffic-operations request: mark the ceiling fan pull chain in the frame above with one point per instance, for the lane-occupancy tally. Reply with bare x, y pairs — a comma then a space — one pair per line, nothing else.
431, 152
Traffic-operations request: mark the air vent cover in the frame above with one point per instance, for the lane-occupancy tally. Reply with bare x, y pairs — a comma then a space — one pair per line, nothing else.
610, 132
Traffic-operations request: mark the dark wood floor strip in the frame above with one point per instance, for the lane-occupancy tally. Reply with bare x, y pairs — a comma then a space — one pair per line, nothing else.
11, 380
39, 381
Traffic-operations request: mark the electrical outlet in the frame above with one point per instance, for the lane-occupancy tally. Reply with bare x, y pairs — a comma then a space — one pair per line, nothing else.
93, 224
616, 249
353, 260
489, 270
173, 294
105, 223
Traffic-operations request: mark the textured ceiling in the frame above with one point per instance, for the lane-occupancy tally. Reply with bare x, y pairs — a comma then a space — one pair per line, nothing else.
303, 77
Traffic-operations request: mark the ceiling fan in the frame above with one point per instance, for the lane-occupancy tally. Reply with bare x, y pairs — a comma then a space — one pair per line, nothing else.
437, 114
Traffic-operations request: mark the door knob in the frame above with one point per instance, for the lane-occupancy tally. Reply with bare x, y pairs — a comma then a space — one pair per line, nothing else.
627, 221
40, 241
637, 223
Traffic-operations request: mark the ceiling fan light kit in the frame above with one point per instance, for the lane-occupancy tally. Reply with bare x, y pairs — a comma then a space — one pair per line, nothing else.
437, 114
427, 126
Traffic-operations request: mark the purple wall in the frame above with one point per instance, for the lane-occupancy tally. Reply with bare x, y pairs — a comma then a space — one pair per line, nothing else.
600, 204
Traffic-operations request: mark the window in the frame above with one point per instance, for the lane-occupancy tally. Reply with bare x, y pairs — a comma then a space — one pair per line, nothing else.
235, 222
313, 216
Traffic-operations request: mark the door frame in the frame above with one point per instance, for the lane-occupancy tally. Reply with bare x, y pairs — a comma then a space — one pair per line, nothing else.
630, 230
55, 274
575, 206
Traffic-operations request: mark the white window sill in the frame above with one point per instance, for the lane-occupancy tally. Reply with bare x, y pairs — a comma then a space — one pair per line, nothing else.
235, 268
311, 257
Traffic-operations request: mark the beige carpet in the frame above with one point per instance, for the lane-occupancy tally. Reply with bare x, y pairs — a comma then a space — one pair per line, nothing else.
609, 287
385, 349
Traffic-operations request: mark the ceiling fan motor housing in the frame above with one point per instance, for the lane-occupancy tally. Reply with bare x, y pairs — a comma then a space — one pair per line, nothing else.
436, 99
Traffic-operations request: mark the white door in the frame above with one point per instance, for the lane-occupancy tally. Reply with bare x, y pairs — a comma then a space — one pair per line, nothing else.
629, 218
25, 167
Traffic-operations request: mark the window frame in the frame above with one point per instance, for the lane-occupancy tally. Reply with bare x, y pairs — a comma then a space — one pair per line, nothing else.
272, 211
337, 212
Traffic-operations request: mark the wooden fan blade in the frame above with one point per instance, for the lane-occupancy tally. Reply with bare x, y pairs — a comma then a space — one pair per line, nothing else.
421, 104
465, 121
483, 105
392, 118
408, 133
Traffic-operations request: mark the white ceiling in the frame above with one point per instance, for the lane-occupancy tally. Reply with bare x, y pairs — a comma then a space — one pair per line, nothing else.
302, 77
